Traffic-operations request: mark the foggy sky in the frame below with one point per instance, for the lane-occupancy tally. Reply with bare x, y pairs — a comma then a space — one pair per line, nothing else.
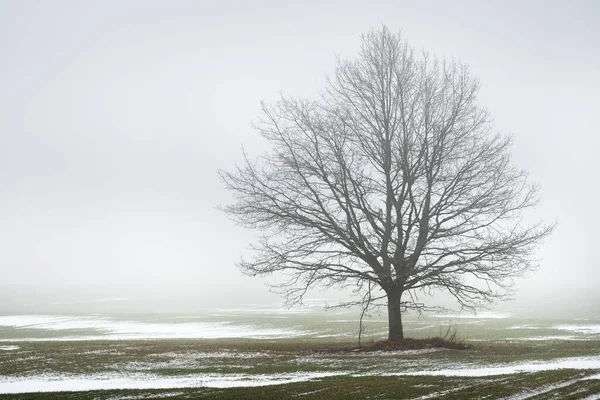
115, 116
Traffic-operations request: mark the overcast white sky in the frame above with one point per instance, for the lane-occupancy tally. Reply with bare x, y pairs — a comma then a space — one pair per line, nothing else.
115, 116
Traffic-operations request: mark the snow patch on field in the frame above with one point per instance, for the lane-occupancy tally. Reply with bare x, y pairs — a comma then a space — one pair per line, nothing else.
148, 396
423, 327
112, 329
61, 383
106, 352
336, 335
192, 355
563, 363
481, 315
9, 348
270, 310
396, 353
187, 360
583, 329
524, 327
545, 338
541, 390
591, 377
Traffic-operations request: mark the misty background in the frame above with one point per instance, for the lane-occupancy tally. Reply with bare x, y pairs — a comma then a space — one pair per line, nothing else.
116, 115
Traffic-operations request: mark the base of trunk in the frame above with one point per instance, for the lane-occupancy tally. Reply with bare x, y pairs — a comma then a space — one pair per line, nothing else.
396, 331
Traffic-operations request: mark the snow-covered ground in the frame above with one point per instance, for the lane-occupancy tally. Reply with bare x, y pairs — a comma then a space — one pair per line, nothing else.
65, 383
149, 380
95, 327
581, 363
270, 323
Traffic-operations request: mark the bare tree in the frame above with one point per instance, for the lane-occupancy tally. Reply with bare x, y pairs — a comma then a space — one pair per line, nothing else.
392, 180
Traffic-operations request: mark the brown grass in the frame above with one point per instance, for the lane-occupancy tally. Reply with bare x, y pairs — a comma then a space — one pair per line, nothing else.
404, 344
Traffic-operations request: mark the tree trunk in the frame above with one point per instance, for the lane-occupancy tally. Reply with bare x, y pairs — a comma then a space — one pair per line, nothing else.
394, 314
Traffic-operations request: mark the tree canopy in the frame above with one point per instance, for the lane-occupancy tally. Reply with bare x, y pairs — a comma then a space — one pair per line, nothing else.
391, 182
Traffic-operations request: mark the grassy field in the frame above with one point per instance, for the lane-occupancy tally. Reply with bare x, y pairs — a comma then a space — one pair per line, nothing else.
337, 371
571, 385
509, 358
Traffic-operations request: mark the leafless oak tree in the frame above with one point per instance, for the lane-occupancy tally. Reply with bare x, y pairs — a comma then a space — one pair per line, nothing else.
392, 180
